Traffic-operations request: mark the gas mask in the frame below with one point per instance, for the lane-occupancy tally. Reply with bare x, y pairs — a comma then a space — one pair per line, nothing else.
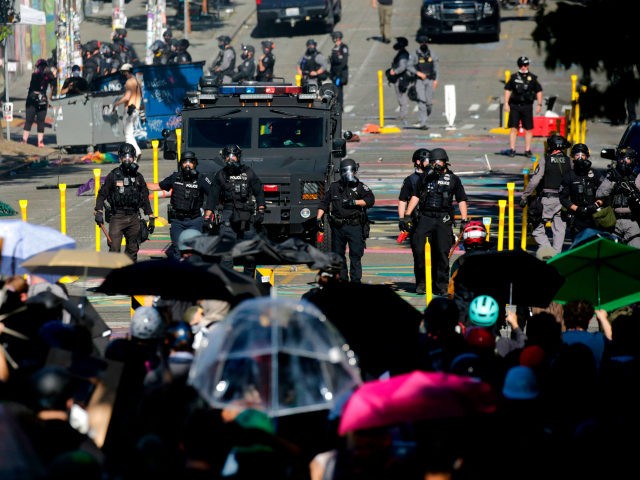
348, 174
439, 168
128, 165
624, 167
189, 172
581, 165
424, 48
221, 46
232, 164
311, 51
265, 51
75, 74
244, 56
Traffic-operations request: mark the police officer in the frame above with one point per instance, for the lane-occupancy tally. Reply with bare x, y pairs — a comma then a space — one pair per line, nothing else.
239, 190
161, 52
126, 191
437, 190
620, 190
520, 92
424, 65
189, 190
420, 160
225, 63
181, 55
545, 182
399, 70
124, 48
339, 60
346, 202
247, 69
266, 62
313, 66
92, 61
578, 191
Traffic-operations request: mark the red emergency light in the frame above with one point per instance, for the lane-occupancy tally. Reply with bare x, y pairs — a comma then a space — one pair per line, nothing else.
270, 188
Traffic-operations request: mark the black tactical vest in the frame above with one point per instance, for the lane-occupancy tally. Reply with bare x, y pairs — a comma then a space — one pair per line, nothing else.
425, 64
436, 195
583, 189
555, 167
185, 197
126, 197
620, 195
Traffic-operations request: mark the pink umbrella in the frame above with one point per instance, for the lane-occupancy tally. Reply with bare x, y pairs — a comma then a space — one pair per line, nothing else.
415, 396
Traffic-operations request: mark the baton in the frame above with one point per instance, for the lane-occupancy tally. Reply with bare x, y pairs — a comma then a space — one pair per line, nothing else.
106, 234
455, 245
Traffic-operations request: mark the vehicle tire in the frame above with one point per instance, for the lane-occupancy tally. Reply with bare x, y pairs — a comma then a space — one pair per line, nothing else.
329, 22
338, 12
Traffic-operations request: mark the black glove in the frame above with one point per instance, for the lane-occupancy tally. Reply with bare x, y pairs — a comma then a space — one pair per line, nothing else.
407, 223
151, 226
591, 209
259, 218
349, 203
320, 224
99, 218
587, 210
208, 224
523, 202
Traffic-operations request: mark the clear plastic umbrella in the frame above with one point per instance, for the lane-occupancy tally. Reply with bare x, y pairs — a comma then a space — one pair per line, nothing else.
277, 355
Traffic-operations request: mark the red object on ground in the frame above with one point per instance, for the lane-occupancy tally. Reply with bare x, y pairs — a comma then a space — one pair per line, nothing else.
546, 126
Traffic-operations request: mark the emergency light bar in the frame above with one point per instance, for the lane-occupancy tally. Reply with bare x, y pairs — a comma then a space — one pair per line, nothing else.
259, 89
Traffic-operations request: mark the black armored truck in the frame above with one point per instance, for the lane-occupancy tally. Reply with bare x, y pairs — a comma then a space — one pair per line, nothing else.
291, 136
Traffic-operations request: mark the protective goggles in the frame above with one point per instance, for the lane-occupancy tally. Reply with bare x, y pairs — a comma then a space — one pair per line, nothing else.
127, 157
348, 169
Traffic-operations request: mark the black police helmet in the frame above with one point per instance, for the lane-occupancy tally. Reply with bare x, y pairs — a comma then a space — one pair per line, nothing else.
167, 33
231, 149
267, 44
183, 43
225, 39
312, 42
336, 34
401, 42
421, 154
557, 142
580, 148
348, 162
522, 61
51, 387
249, 48
422, 39
439, 154
126, 149
627, 152
189, 155
157, 46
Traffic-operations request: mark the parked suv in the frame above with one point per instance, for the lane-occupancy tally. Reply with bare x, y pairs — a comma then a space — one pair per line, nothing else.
295, 11
630, 138
439, 18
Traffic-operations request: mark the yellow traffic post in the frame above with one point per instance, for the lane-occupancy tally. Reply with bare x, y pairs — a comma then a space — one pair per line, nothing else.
383, 129
502, 204
427, 270
486, 221
160, 221
96, 187
266, 275
503, 129
525, 213
298, 80
179, 142
23, 209
63, 207
510, 189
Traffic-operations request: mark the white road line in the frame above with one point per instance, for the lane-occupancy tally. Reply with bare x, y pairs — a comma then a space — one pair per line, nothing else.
474, 107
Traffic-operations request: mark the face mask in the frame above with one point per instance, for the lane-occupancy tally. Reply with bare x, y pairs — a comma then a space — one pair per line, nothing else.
129, 167
438, 168
581, 166
265, 51
75, 74
624, 168
221, 46
189, 173
244, 56
311, 51
424, 48
348, 174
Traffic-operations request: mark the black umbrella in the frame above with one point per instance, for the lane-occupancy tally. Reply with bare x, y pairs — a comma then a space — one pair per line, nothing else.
239, 284
511, 277
378, 324
168, 278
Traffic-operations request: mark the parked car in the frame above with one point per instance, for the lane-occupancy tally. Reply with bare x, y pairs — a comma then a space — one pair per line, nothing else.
630, 138
295, 11
440, 18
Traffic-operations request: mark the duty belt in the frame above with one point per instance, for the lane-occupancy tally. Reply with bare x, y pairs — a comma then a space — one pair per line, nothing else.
433, 213
550, 194
344, 221
186, 215
125, 212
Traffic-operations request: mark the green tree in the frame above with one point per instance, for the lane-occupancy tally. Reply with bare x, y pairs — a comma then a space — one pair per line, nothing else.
599, 36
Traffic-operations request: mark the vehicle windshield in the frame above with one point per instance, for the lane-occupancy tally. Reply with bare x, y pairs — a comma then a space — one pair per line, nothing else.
218, 132
281, 132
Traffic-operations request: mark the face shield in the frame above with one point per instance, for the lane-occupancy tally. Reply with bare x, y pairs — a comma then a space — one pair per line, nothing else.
128, 163
348, 173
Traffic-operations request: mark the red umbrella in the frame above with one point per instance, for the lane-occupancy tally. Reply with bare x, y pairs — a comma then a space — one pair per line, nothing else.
415, 396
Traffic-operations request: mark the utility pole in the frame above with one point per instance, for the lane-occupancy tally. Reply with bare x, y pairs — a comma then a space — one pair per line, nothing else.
8, 16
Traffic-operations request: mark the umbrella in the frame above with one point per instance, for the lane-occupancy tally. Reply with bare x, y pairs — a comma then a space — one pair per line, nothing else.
413, 397
239, 284
511, 277
168, 278
602, 271
76, 262
277, 355
22, 240
379, 325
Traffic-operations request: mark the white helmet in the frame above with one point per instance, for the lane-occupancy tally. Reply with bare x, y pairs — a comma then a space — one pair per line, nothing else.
147, 324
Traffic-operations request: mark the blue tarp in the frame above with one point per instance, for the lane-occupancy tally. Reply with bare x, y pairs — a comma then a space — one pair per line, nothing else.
163, 89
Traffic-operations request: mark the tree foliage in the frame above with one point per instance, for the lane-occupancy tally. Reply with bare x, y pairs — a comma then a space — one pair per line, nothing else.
598, 36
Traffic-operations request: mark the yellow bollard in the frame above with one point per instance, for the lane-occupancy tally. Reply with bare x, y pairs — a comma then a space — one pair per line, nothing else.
179, 142
96, 188
380, 99
510, 189
505, 115
486, 221
502, 204
427, 270
525, 213
63, 207
298, 80
23, 209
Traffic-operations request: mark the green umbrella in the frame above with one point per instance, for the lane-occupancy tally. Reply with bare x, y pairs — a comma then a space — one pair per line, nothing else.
602, 271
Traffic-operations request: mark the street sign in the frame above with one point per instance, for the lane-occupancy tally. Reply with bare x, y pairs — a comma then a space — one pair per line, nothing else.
7, 111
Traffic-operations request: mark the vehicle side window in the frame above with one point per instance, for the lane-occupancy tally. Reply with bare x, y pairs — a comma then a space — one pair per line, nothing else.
290, 132
218, 132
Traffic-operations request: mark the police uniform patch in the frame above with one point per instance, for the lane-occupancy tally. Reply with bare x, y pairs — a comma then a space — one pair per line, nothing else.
365, 188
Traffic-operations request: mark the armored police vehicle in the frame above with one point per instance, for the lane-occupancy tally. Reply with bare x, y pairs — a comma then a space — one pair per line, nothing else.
289, 135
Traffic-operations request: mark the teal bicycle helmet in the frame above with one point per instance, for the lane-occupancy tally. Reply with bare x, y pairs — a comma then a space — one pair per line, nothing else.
483, 311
